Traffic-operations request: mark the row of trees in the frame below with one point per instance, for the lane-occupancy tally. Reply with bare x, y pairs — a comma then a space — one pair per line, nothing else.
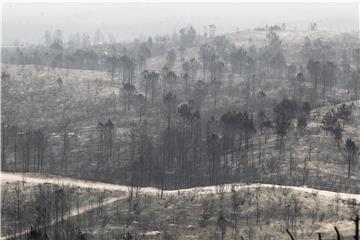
269, 59
186, 149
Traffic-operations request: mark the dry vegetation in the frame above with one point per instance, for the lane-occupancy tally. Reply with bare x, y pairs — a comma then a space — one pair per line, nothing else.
249, 107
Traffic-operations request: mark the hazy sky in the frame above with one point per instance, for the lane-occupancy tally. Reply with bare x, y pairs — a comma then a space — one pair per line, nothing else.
27, 22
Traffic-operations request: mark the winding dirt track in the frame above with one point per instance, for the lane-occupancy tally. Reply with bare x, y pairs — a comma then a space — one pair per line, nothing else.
122, 189
52, 179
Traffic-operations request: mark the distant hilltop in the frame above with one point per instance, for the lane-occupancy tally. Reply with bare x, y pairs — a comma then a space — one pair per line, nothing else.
245, 38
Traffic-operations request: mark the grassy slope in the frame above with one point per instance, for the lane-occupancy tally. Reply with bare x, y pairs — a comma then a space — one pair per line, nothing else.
326, 157
182, 214
328, 163
81, 87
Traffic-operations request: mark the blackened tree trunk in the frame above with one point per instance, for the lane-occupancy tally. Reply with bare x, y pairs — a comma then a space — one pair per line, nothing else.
3, 146
65, 151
